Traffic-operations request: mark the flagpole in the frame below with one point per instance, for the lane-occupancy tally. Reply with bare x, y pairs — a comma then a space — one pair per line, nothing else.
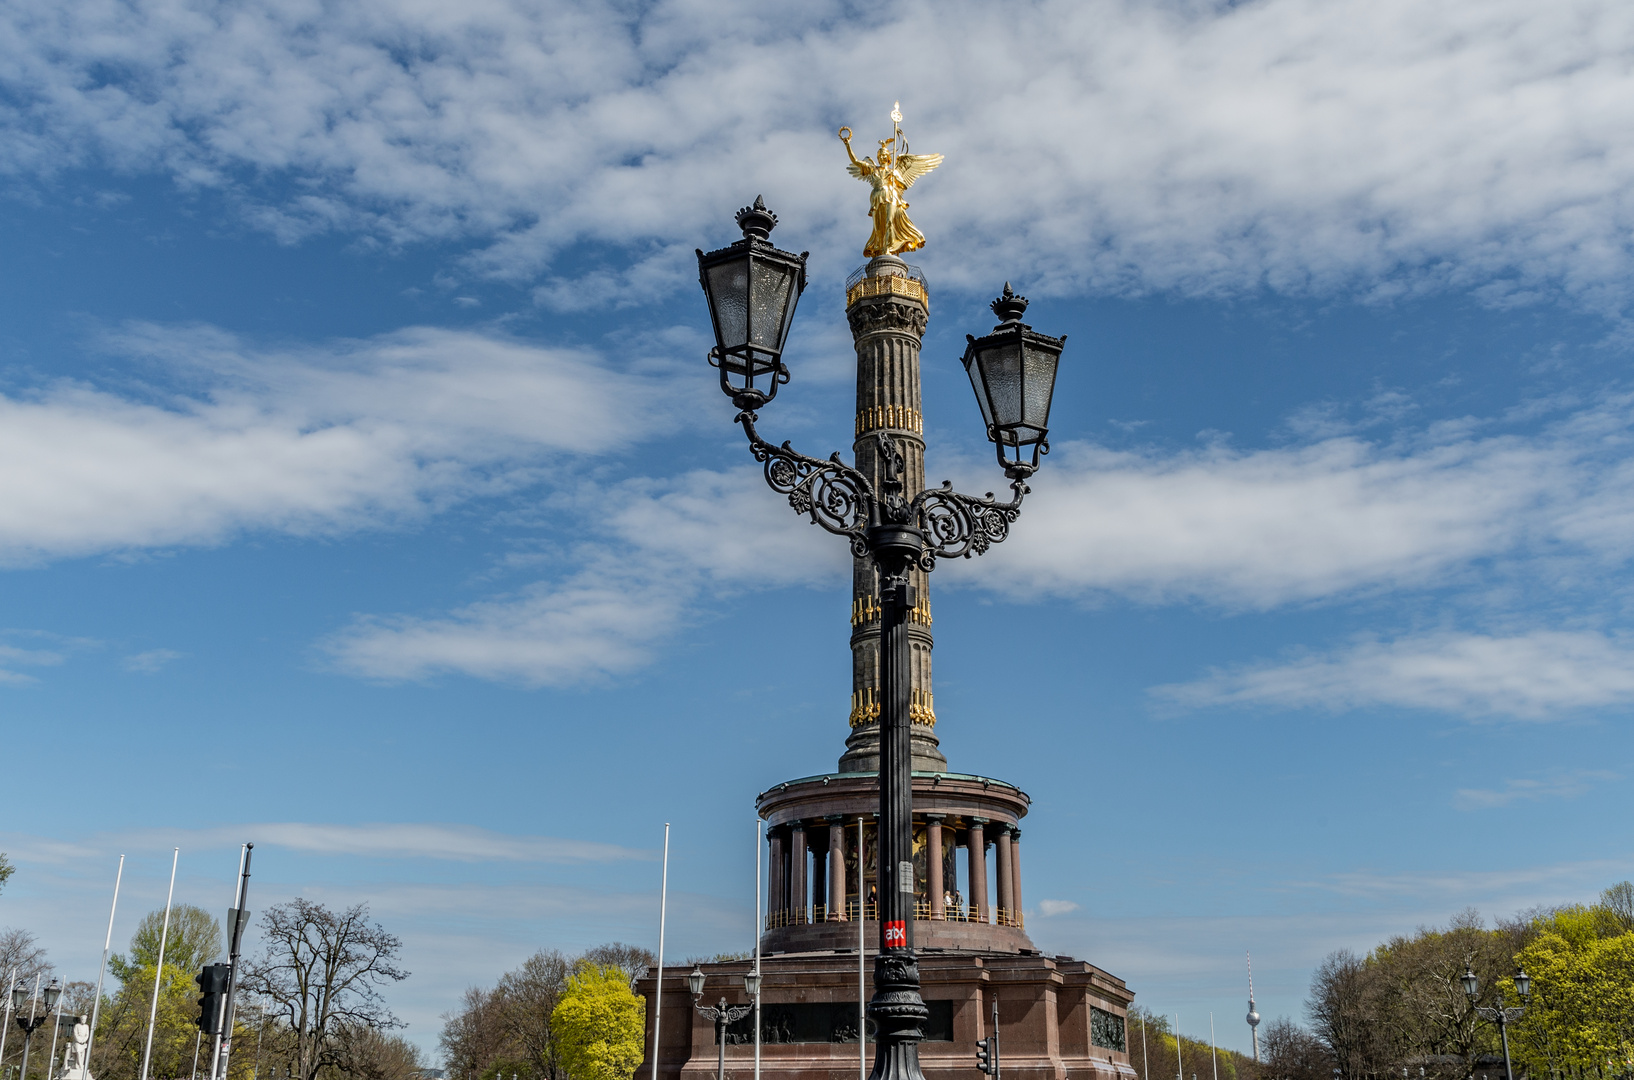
56, 1027
658, 983
1177, 1056
1212, 1051
223, 1041
757, 949
7, 1013
107, 943
159, 969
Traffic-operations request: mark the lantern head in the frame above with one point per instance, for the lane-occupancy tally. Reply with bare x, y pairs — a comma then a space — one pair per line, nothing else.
1012, 371
752, 289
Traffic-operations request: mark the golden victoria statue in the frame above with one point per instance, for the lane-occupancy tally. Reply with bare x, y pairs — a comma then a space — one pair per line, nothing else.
893, 173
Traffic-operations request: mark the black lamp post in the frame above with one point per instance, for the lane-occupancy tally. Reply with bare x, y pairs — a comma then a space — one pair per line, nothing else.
722, 1014
20, 996
1013, 373
1501, 1016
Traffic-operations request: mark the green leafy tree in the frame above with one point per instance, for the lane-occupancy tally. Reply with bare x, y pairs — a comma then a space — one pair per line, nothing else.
6, 870
1581, 1016
598, 1024
193, 941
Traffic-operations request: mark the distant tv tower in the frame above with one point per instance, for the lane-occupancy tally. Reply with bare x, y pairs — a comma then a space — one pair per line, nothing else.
1253, 1013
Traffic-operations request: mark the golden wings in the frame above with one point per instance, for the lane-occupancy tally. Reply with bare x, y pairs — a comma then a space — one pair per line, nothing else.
908, 167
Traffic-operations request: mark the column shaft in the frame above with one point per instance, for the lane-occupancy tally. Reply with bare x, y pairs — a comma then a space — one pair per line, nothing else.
819, 882
1015, 870
933, 865
797, 875
976, 853
1001, 871
775, 902
836, 868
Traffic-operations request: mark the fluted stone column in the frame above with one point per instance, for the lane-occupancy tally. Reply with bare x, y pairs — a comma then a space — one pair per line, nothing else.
819, 881
1001, 871
933, 865
836, 868
1015, 871
776, 898
797, 871
887, 310
976, 853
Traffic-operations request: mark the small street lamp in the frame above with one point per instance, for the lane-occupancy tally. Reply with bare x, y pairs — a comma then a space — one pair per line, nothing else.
752, 288
20, 997
1501, 1016
722, 1014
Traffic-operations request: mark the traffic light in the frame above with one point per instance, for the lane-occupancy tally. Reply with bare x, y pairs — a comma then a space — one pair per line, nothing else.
984, 1055
213, 986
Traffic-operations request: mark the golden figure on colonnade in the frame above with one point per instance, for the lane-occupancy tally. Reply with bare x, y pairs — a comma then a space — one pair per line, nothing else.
893, 173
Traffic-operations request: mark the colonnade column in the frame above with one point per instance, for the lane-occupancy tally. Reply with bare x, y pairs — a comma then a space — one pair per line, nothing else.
1015, 869
836, 868
797, 875
1001, 870
933, 865
819, 882
976, 853
776, 898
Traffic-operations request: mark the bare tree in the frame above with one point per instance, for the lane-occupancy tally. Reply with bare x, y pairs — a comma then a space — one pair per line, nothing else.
1341, 1008
22, 953
321, 971
1618, 904
1292, 1053
526, 998
633, 960
367, 1053
473, 1035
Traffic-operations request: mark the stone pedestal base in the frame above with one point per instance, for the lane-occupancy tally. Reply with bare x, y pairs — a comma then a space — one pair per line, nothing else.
1046, 1031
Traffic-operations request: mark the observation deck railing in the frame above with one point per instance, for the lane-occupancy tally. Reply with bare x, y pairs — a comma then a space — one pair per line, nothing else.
819, 913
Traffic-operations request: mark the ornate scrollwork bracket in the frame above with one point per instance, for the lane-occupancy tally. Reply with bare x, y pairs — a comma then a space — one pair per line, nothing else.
843, 501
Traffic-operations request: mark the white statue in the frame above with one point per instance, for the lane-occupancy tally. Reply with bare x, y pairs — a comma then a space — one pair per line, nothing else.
75, 1066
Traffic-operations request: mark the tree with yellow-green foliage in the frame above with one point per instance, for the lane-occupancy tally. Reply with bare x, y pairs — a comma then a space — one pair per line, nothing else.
598, 1024
1581, 1016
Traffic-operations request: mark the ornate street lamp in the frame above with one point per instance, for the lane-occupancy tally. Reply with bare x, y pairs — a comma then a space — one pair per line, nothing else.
753, 288
1013, 373
1502, 1016
723, 1014
20, 996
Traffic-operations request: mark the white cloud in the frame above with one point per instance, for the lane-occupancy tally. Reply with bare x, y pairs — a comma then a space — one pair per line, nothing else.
309, 441
1240, 529
1056, 907
665, 543
1539, 675
1260, 528
150, 661
1290, 144
455, 843
13, 657
1559, 785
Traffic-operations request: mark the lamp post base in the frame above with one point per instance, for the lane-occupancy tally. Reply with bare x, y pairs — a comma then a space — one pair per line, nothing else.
899, 1016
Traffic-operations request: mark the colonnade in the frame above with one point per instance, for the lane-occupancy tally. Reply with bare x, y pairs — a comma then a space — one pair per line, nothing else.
809, 880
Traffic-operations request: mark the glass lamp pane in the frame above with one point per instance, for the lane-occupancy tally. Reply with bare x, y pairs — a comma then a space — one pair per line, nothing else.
973, 369
1001, 367
1037, 387
768, 303
729, 292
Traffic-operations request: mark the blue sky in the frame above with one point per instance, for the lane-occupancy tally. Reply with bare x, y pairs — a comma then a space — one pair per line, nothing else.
365, 494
